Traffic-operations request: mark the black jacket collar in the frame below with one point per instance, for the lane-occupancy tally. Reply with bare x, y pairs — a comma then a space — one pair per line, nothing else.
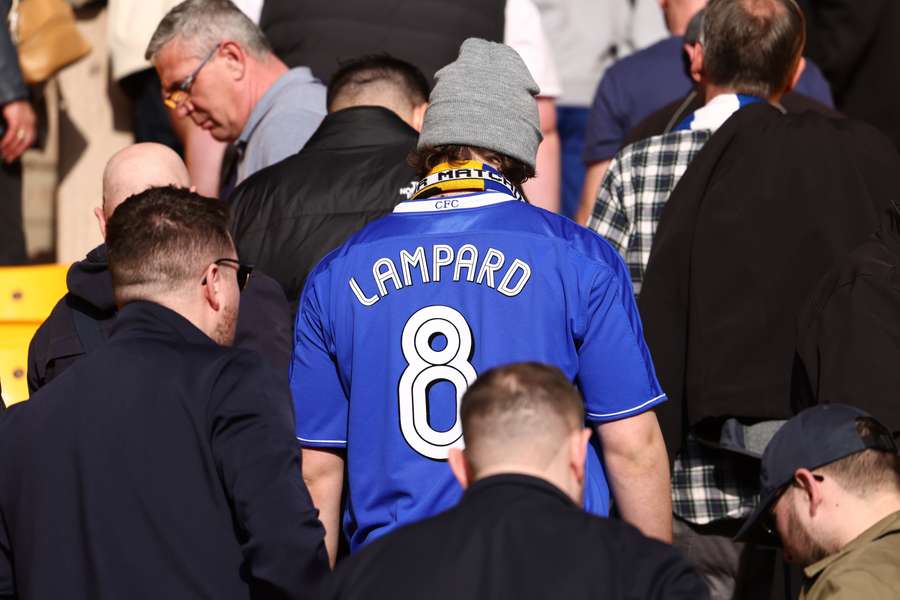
144, 319
515, 481
360, 126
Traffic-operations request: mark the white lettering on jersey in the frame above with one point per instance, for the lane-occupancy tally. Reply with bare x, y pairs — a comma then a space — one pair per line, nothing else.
442, 255
504, 284
489, 266
466, 263
408, 260
382, 274
415, 269
364, 300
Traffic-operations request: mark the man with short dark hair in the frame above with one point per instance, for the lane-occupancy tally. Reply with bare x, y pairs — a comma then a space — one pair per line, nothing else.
519, 531
163, 464
217, 68
352, 171
831, 492
748, 52
395, 324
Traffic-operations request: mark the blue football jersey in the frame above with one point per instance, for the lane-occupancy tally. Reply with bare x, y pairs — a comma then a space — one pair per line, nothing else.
395, 324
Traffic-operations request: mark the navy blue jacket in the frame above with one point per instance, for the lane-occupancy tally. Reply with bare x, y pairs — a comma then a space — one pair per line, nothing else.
159, 466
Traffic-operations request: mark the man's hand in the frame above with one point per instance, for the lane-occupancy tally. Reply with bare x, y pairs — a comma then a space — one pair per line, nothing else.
323, 472
638, 470
20, 129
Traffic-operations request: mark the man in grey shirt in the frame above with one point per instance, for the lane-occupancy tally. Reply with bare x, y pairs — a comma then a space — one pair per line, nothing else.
217, 67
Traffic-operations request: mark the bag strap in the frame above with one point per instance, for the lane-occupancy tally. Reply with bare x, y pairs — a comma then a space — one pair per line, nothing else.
88, 329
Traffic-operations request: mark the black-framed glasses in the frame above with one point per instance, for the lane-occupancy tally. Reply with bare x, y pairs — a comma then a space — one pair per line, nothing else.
182, 91
243, 271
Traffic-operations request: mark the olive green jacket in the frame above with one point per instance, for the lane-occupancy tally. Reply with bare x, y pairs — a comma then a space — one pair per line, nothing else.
868, 568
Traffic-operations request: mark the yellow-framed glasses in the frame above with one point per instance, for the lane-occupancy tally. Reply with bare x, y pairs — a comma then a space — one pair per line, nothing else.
182, 91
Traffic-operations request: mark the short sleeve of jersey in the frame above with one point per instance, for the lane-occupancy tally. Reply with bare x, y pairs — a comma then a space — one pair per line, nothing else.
616, 373
320, 402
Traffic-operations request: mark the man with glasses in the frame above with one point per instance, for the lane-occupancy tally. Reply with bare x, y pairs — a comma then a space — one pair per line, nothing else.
164, 464
217, 67
83, 319
831, 495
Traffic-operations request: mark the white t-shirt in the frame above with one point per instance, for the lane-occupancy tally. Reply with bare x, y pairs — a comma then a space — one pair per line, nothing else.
524, 33
587, 36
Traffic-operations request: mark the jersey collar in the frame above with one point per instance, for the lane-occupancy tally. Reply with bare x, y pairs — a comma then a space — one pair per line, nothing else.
447, 203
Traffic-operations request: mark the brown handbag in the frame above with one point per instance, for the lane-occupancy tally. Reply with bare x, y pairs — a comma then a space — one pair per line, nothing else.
46, 37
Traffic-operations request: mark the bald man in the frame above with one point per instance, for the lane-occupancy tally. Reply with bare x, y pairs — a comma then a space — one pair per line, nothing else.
519, 530
83, 318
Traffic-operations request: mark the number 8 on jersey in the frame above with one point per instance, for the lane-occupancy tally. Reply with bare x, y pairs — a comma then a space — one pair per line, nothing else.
428, 366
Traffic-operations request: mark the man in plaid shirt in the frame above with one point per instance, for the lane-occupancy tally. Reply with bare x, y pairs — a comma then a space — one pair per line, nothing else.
712, 484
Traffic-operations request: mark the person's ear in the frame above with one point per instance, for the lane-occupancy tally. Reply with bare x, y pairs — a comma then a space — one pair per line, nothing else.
695, 53
578, 441
212, 286
798, 73
235, 59
418, 116
101, 221
461, 468
810, 488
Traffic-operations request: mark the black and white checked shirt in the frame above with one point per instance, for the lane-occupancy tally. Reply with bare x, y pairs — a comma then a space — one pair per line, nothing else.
708, 485
635, 189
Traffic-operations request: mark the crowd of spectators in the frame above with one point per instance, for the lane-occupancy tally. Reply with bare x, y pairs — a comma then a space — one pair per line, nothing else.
438, 327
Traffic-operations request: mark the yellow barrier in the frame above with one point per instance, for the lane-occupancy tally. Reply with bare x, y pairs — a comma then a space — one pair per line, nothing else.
27, 295
14, 340
30, 293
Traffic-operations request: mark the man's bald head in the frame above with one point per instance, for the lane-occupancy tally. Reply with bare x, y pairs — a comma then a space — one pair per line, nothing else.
522, 413
137, 168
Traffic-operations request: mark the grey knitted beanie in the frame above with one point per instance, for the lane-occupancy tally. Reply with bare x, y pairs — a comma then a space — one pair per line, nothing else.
485, 98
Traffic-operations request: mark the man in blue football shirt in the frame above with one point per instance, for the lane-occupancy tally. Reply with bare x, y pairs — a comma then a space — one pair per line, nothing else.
394, 325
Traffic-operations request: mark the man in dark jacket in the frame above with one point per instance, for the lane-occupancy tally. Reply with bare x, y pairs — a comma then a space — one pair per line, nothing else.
162, 465
83, 318
519, 531
351, 171
848, 335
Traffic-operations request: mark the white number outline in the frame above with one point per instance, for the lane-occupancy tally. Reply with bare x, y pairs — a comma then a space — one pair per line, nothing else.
426, 366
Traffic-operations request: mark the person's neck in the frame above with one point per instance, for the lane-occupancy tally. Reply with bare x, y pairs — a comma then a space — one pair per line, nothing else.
268, 70
711, 91
860, 514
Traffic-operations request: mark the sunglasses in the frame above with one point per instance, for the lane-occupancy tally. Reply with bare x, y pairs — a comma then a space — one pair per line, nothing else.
182, 91
768, 522
243, 271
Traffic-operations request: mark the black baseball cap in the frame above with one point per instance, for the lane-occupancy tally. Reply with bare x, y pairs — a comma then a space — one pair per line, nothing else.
814, 438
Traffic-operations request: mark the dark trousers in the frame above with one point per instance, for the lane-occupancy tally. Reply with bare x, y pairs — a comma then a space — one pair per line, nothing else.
12, 233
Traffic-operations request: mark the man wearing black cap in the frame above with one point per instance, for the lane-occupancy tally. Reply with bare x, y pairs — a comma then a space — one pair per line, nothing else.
831, 492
